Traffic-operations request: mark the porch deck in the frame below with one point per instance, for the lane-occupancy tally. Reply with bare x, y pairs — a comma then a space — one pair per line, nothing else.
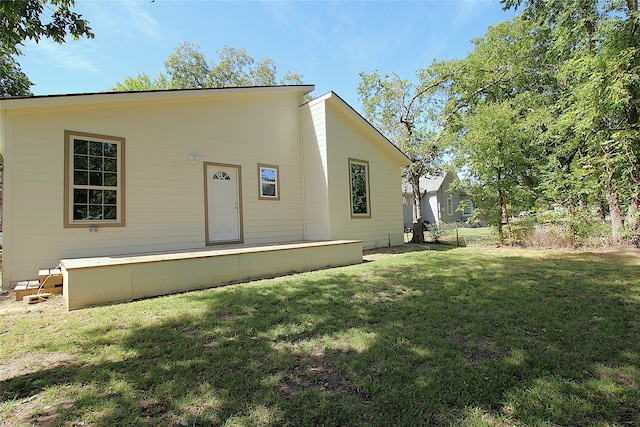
110, 279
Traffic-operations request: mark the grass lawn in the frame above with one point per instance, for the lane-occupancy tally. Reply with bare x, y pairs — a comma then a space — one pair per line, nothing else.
464, 236
462, 337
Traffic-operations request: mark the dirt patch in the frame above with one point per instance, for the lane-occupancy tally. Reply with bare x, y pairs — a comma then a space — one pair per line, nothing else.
625, 250
478, 352
9, 306
320, 375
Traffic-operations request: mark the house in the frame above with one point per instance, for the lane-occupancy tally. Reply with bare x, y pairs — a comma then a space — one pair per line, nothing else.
438, 204
119, 179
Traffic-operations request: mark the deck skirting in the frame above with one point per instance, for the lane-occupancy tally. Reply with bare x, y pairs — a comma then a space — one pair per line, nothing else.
103, 280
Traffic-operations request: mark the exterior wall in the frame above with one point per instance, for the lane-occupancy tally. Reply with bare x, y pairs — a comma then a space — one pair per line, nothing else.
443, 195
164, 189
429, 208
314, 163
384, 227
434, 205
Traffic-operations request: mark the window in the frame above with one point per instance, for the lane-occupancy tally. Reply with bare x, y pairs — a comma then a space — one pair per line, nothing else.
468, 208
450, 205
359, 177
269, 184
94, 180
223, 176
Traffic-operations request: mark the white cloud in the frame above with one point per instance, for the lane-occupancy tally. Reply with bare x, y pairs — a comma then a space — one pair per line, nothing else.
74, 55
467, 10
142, 21
127, 20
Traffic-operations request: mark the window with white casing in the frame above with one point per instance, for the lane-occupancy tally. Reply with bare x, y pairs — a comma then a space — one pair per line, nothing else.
450, 205
359, 188
269, 184
94, 180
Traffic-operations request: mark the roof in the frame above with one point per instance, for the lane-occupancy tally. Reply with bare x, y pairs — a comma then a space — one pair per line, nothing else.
98, 97
428, 183
333, 99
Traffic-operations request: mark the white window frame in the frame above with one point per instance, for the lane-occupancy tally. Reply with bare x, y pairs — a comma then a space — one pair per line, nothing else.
365, 164
262, 182
450, 205
70, 187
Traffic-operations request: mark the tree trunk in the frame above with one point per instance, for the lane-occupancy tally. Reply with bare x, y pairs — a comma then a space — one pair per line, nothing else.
500, 232
634, 220
504, 211
503, 198
617, 220
418, 222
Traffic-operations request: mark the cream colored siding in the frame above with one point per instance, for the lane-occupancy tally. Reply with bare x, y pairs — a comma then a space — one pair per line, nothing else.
314, 143
164, 191
384, 227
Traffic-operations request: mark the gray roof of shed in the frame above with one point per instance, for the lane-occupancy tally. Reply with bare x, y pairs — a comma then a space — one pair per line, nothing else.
429, 183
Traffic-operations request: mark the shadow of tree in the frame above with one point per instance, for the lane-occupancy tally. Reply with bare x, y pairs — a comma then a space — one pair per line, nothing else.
412, 341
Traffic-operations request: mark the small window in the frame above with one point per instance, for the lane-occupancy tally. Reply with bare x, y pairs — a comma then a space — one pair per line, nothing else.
450, 205
468, 209
269, 182
94, 180
359, 177
222, 176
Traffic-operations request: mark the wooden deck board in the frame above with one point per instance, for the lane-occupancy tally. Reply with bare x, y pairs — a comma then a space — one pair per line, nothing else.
138, 258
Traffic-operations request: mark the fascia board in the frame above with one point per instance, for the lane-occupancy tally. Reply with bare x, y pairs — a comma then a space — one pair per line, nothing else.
363, 124
109, 97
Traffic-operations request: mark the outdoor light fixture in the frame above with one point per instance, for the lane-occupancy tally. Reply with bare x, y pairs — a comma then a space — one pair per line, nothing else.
194, 158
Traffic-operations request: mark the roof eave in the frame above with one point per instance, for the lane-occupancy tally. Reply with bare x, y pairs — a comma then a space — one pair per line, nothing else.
104, 97
335, 100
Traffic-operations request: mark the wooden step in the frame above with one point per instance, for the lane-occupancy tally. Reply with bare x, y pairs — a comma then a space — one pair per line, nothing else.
50, 277
31, 287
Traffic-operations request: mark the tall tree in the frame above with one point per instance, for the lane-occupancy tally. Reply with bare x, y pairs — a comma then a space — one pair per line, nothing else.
497, 107
598, 42
22, 20
406, 113
188, 68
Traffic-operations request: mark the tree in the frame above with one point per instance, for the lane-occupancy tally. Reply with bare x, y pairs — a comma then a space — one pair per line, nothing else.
27, 19
500, 159
406, 113
598, 47
498, 106
13, 82
188, 68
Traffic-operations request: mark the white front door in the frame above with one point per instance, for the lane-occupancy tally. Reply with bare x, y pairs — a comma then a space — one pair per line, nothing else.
223, 203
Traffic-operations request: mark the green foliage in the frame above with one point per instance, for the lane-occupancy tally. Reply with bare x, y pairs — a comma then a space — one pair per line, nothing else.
546, 109
22, 20
498, 108
188, 68
13, 81
594, 142
142, 82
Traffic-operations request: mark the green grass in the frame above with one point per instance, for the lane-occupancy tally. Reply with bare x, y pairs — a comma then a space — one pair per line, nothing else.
466, 236
461, 337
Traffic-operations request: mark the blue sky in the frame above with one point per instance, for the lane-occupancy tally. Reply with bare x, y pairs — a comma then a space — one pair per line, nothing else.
329, 42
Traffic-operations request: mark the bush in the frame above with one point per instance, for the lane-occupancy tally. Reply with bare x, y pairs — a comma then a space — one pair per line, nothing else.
552, 229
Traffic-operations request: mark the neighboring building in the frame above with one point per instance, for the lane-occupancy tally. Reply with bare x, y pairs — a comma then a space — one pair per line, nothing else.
438, 204
108, 174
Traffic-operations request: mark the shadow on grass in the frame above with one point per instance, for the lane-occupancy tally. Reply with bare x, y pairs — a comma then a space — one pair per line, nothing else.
426, 338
